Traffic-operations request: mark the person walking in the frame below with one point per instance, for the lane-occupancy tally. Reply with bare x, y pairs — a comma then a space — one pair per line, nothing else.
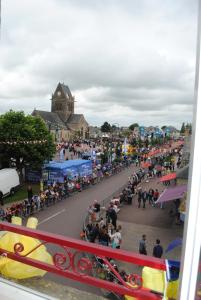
142, 245
29, 193
144, 197
96, 208
158, 249
139, 197
156, 196
151, 196
112, 215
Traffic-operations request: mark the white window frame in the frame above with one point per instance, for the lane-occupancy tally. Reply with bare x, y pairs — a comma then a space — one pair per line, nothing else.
192, 229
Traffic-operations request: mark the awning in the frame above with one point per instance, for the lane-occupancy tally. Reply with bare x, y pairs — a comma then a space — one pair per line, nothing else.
146, 165
158, 167
154, 152
172, 193
168, 177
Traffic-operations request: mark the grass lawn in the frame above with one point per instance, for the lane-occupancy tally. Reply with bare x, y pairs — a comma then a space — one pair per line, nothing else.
21, 194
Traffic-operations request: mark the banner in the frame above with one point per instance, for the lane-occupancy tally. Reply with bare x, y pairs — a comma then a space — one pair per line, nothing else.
33, 176
85, 170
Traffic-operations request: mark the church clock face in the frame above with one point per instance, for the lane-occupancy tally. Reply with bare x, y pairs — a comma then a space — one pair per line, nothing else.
58, 93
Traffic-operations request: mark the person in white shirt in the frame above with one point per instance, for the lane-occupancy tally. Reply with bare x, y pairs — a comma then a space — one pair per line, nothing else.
116, 239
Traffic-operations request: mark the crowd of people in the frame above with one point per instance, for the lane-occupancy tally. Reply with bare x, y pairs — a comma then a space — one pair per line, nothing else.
102, 221
102, 224
54, 192
77, 149
101, 227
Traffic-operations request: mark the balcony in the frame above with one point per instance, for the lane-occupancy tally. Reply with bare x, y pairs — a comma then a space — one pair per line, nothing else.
77, 260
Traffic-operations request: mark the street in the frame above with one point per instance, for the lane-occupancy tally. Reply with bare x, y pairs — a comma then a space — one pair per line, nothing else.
66, 217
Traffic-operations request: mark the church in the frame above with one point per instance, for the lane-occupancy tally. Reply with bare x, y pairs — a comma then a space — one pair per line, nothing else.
62, 122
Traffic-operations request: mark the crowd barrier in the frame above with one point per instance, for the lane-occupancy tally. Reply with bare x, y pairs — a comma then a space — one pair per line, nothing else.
24, 209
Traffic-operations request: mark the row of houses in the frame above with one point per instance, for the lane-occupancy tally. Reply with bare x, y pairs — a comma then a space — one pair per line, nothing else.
65, 124
141, 131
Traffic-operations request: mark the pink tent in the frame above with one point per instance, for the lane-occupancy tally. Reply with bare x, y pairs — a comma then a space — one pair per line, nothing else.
174, 193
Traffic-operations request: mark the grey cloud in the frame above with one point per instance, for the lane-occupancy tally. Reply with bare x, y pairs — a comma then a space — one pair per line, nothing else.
128, 57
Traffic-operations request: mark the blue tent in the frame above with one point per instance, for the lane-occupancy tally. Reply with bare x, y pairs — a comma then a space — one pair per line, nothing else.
175, 243
69, 168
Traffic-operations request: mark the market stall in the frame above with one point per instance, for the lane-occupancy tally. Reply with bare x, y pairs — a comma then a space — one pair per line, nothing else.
58, 171
171, 194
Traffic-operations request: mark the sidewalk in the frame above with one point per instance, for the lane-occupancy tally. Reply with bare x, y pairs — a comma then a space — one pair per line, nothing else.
155, 222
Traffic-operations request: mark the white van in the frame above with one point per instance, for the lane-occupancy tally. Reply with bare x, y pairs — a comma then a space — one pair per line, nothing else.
9, 181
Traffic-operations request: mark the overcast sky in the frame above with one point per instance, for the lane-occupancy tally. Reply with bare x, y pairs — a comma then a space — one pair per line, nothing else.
125, 61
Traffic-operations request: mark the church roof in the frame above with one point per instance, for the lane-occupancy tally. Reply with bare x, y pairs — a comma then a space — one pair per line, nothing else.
66, 90
74, 118
49, 117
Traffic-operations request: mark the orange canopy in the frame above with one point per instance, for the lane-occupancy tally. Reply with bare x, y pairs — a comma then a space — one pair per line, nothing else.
145, 165
153, 152
168, 177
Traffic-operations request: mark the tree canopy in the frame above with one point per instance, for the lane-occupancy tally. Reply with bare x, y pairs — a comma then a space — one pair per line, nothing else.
186, 127
24, 141
106, 127
183, 128
132, 126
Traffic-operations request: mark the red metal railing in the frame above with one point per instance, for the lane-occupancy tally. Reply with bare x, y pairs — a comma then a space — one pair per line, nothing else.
71, 263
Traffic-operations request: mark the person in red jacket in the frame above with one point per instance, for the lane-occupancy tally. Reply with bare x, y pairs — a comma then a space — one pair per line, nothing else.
156, 195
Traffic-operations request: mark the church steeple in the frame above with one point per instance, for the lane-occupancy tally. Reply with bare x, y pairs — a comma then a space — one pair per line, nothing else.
63, 102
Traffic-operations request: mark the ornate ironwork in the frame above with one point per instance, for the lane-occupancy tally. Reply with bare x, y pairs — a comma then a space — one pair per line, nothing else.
71, 263
60, 260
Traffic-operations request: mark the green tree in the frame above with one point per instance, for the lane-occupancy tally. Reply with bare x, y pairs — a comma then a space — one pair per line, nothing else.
24, 141
164, 127
183, 128
106, 127
114, 127
132, 126
126, 133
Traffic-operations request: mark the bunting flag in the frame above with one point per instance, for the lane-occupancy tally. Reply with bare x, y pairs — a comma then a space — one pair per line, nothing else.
172, 269
25, 142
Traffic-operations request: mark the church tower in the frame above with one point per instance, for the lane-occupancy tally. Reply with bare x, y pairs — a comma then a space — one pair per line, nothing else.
63, 102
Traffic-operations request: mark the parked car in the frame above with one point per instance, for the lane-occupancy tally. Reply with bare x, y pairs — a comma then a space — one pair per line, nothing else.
9, 182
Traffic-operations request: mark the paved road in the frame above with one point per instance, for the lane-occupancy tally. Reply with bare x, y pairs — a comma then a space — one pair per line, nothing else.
67, 217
